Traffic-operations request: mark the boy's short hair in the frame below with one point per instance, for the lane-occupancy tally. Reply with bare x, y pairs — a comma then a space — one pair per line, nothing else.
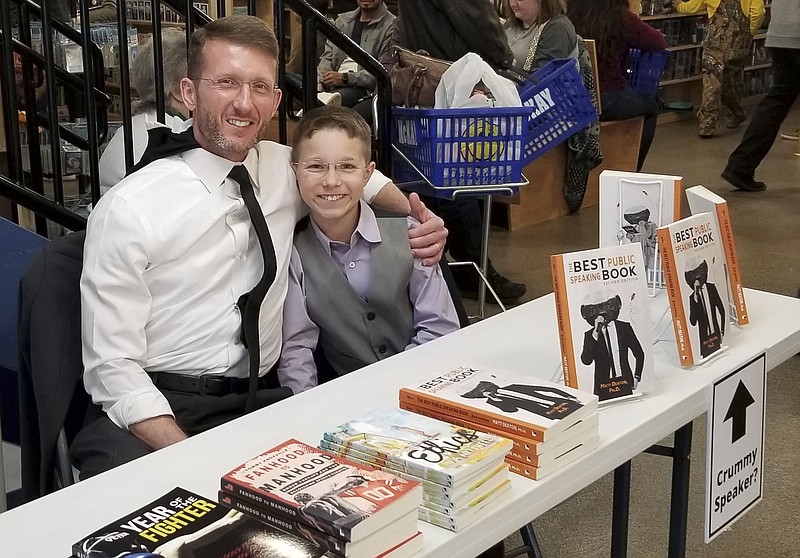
241, 30
333, 118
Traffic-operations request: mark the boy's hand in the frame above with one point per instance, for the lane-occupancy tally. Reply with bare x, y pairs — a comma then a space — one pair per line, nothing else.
426, 240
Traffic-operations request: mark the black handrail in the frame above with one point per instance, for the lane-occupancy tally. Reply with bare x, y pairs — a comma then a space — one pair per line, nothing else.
312, 22
41, 205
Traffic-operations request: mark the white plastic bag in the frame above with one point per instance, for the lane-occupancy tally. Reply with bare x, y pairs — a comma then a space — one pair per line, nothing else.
459, 80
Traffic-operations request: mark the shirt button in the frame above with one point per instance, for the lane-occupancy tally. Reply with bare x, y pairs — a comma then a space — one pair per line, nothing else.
370, 316
382, 349
239, 256
351, 265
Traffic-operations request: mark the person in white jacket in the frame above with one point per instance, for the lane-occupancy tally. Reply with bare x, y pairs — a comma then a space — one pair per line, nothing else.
173, 48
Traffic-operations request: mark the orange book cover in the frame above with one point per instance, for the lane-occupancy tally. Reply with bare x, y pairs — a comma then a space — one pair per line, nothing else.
562, 319
675, 299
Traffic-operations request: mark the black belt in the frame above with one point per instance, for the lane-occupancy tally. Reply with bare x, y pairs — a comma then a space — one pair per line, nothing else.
201, 385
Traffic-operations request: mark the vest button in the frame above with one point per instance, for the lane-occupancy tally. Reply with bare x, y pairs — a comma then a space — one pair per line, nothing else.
382, 349
370, 316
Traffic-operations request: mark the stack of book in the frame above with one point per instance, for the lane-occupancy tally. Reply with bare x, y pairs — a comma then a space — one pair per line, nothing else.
462, 470
550, 425
349, 509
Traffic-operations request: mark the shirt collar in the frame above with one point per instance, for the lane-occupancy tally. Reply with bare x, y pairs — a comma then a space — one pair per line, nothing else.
367, 228
212, 169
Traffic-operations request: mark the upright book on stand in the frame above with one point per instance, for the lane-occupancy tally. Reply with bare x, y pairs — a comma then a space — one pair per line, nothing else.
632, 206
703, 200
603, 321
182, 524
693, 262
325, 491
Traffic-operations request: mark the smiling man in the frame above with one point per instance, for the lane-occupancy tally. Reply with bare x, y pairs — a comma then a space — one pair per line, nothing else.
171, 249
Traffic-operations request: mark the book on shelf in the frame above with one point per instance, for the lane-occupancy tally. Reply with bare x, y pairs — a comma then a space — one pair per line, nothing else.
703, 200
424, 447
183, 524
603, 321
693, 261
515, 403
632, 206
391, 537
323, 490
529, 451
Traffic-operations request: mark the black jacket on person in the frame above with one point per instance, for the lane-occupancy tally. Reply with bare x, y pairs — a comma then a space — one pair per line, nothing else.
50, 387
449, 29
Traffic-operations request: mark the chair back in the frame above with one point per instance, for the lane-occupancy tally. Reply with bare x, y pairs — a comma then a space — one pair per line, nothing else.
53, 401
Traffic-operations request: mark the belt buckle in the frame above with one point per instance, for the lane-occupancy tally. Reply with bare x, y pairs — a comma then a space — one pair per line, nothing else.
214, 386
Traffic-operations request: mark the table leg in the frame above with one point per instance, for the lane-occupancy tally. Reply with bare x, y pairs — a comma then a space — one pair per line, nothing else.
620, 510
679, 505
487, 218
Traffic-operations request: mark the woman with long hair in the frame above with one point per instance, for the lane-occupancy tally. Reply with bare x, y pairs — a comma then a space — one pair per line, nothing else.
616, 30
538, 31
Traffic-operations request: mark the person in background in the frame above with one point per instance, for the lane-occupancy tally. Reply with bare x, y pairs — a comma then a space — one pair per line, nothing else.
448, 30
370, 26
354, 289
616, 30
783, 42
538, 31
731, 26
173, 49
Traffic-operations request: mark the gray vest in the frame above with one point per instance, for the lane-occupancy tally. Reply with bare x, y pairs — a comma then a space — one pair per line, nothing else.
355, 332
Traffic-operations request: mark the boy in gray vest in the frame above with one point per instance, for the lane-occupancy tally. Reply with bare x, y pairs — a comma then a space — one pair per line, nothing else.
354, 289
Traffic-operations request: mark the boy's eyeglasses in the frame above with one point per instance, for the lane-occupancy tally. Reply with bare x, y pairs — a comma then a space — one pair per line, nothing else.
322, 167
232, 86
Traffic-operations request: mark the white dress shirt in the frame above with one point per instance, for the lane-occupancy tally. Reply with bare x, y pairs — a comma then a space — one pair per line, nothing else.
168, 252
112, 167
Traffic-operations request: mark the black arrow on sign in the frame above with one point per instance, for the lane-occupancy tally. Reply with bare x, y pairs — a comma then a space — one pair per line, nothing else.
738, 411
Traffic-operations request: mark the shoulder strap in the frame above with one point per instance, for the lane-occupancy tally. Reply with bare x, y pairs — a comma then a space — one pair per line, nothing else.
534, 45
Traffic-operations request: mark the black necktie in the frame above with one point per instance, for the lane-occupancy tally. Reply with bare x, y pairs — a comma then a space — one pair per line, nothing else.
610, 351
250, 303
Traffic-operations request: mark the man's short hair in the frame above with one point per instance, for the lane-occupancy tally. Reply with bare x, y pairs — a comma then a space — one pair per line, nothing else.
173, 55
241, 30
333, 118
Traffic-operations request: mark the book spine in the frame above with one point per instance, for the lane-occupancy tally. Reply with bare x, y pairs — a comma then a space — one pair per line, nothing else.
523, 469
453, 409
257, 497
678, 196
283, 523
563, 321
675, 298
734, 273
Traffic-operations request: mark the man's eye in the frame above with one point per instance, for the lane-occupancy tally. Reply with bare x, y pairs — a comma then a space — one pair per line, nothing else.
261, 87
227, 83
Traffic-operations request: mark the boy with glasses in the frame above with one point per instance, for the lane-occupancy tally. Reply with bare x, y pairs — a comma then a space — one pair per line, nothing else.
354, 289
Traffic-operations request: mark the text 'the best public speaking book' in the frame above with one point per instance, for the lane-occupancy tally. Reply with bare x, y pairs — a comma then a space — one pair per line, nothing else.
323, 490
520, 404
603, 321
694, 269
182, 524
702, 200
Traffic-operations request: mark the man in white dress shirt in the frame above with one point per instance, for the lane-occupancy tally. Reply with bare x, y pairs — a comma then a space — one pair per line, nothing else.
170, 250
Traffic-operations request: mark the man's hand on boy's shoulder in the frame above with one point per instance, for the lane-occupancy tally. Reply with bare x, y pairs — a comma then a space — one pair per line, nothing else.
426, 240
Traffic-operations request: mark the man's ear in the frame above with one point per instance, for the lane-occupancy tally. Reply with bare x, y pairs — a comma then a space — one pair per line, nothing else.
189, 93
276, 102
